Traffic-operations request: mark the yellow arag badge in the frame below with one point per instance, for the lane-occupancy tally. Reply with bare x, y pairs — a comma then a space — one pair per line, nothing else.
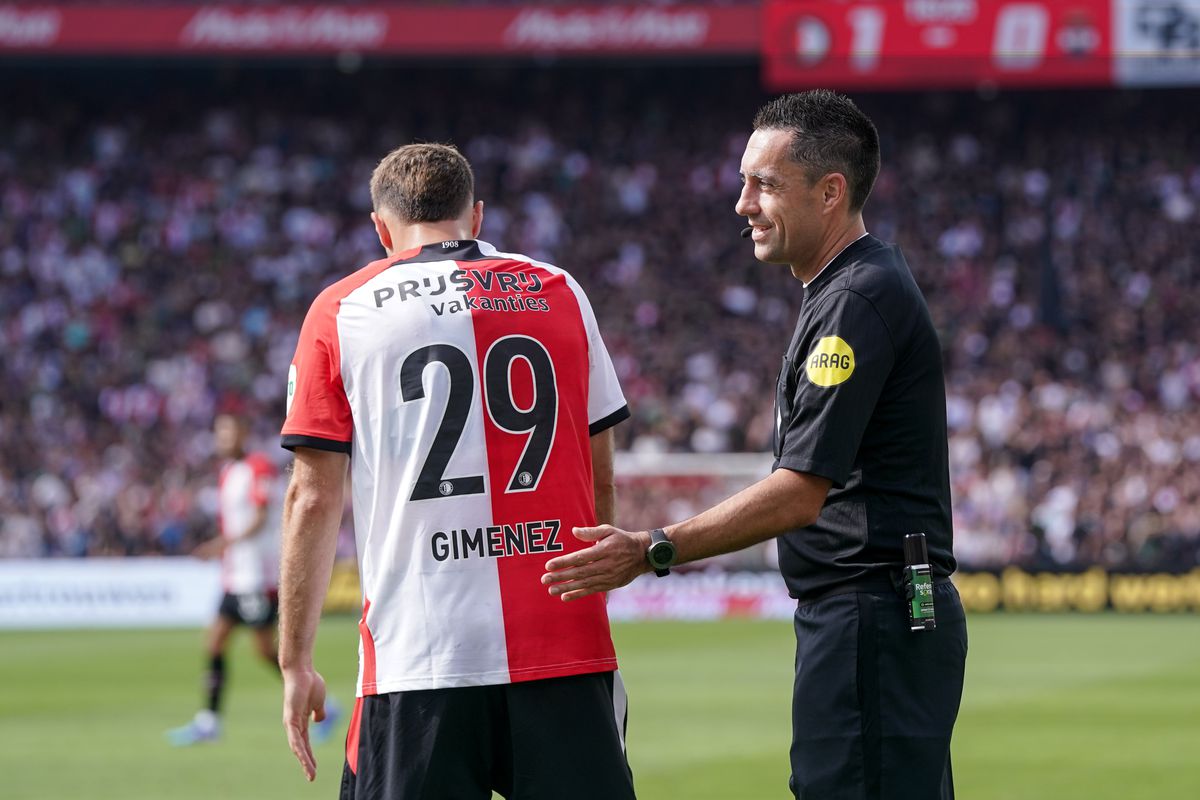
831, 362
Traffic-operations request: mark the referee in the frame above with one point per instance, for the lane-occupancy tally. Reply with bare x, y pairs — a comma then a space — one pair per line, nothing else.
860, 462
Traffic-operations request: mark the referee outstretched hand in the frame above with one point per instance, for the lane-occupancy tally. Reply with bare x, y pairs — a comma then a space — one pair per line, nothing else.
616, 558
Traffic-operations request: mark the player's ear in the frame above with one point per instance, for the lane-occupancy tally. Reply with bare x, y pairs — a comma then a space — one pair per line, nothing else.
476, 219
381, 230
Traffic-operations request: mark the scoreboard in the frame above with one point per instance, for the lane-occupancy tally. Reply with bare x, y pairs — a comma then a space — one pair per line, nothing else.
962, 43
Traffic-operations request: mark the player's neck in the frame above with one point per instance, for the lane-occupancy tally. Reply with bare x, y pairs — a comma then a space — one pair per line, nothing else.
412, 237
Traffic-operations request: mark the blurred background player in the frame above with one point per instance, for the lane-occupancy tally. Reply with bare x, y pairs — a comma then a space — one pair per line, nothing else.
248, 546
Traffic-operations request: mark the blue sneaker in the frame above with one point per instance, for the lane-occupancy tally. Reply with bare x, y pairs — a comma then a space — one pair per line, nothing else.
323, 730
204, 727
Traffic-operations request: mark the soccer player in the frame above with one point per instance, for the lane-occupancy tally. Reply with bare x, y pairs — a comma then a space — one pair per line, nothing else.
248, 546
471, 397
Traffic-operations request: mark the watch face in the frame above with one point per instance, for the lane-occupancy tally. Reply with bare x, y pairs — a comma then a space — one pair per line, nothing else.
662, 554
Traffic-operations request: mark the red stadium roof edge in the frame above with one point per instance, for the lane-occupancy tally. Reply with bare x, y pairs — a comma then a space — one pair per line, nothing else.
384, 29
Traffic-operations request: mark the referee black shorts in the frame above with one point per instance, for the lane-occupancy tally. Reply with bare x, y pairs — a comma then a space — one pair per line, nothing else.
874, 703
538, 740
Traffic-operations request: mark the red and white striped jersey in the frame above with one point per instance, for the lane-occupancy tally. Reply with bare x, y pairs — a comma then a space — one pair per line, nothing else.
465, 384
250, 564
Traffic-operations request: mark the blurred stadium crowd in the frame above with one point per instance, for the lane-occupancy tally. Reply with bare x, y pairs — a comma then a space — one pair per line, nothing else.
161, 238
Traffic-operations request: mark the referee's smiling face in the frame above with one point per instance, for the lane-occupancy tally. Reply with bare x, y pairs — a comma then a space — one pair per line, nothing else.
779, 201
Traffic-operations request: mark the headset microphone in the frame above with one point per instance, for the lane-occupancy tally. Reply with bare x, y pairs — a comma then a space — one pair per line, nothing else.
746, 232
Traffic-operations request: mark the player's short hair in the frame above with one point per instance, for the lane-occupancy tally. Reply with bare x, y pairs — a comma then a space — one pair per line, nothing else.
423, 183
829, 134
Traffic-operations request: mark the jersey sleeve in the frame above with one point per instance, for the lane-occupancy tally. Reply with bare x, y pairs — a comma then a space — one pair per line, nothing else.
606, 401
318, 411
847, 355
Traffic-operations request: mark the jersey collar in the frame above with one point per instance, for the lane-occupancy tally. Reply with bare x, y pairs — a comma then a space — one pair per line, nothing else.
836, 259
453, 250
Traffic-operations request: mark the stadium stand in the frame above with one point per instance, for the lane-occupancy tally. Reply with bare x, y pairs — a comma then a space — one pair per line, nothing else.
162, 232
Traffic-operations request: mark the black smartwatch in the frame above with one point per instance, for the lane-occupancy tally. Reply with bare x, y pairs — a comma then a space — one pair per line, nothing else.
661, 553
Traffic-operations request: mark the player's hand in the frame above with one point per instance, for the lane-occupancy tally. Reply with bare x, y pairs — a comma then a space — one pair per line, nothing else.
210, 549
616, 558
303, 698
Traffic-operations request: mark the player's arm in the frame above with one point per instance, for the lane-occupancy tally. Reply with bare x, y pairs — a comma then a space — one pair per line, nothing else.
210, 548
264, 487
602, 477
783, 501
215, 547
312, 512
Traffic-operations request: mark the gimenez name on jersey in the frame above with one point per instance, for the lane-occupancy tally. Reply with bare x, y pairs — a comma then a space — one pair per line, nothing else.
514, 287
497, 541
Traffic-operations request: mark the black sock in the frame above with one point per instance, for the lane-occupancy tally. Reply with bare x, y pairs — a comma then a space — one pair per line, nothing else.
214, 682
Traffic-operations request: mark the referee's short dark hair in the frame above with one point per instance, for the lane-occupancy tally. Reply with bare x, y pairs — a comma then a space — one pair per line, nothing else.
829, 134
423, 183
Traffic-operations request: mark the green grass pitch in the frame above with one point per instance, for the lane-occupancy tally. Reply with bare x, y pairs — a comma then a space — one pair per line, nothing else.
1055, 707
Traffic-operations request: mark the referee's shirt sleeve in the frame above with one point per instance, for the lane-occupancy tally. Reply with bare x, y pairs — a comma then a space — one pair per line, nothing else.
847, 354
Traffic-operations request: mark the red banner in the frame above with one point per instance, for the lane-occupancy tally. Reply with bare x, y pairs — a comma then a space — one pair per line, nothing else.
391, 30
936, 43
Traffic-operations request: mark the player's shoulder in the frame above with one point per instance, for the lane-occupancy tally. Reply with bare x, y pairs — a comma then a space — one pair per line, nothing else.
334, 293
491, 251
259, 463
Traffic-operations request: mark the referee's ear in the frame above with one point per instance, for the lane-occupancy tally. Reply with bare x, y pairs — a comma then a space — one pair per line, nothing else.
835, 193
476, 219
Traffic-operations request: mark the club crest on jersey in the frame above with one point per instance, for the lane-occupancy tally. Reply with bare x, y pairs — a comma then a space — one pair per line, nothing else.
446, 488
831, 362
291, 389
525, 479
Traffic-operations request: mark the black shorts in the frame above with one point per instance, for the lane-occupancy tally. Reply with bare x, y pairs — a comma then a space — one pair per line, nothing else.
537, 740
874, 703
257, 609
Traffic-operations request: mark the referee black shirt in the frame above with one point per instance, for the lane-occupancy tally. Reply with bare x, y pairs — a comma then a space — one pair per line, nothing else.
861, 401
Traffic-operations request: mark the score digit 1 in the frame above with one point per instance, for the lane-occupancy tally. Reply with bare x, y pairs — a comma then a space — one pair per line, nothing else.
866, 41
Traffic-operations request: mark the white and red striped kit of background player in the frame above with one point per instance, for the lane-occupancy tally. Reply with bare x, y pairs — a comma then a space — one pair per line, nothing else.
465, 384
249, 565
